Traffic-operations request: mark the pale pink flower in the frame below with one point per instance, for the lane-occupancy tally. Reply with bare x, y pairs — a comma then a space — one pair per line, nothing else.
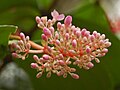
57, 16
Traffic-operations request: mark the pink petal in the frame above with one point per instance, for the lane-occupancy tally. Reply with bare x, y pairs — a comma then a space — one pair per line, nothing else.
55, 14
60, 17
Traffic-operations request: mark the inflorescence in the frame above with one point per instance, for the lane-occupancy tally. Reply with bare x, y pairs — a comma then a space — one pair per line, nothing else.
62, 46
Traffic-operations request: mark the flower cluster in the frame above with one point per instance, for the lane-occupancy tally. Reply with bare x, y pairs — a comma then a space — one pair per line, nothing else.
63, 46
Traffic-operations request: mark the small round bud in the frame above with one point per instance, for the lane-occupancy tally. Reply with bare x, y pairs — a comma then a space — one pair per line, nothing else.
64, 75
97, 60
39, 75
22, 36
67, 36
46, 57
78, 33
107, 44
44, 19
38, 20
58, 25
34, 65
72, 69
48, 75
27, 38
15, 55
75, 76
88, 50
105, 50
52, 30
35, 57
57, 42
68, 21
44, 37
61, 62
47, 32
83, 32
74, 43
90, 65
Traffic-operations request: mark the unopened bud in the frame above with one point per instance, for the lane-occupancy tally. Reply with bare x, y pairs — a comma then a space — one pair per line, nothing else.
44, 37
39, 75
47, 32
38, 20
46, 57
68, 21
34, 65
67, 36
35, 57
75, 76
48, 74
74, 43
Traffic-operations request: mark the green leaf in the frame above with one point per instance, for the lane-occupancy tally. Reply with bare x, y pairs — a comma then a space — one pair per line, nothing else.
5, 31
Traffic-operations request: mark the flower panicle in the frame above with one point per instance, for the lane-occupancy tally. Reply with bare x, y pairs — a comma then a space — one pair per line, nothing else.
63, 46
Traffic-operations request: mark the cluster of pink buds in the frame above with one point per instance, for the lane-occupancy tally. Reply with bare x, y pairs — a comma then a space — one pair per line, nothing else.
63, 46
21, 47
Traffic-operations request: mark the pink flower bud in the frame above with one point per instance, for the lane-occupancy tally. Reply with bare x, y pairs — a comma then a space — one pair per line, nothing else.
44, 19
49, 23
61, 56
60, 73
73, 70
107, 44
44, 37
83, 32
39, 75
59, 25
67, 36
47, 32
52, 30
38, 20
87, 33
105, 50
28, 46
48, 75
20, 42
57, 42
22, 36
101, 42
78, 33
34, 65
15, 55
90, 65
95, 33
88, 50
61, 62
64, 75
75, 76
103, 36
56, 35
35, 57
97, 60
92, 38
68, 21
85, 39
46, 57
27, 38
74, 43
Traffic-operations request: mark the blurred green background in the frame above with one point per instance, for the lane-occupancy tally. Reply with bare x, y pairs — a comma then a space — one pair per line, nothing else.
17, 74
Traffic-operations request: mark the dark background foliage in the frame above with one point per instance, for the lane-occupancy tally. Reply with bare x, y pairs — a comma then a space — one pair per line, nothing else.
16, 74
